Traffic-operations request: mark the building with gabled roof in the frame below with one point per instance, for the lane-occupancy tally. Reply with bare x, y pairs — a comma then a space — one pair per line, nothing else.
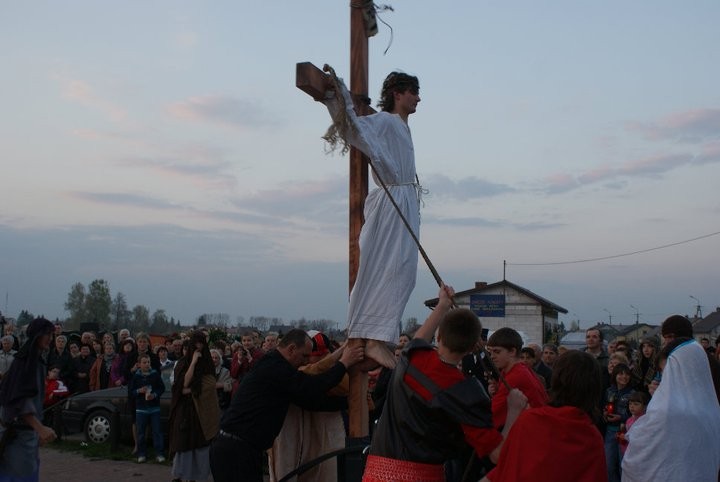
708, 327
504, 304
630, 332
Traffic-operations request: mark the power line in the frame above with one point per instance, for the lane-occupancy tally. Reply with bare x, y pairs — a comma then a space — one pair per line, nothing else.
617, 255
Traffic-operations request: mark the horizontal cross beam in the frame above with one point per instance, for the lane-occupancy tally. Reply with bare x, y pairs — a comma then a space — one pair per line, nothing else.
314, 82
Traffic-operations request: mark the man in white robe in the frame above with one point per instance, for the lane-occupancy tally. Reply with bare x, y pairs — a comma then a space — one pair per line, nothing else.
678, 438
388, 254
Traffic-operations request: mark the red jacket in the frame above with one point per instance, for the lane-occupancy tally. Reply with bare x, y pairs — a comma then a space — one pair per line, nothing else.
55, 390
551, 443
520, 377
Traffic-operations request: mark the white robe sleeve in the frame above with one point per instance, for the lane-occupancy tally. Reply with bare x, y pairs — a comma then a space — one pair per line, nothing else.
366, 132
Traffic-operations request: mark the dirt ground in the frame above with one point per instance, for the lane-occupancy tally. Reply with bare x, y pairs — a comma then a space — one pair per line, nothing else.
62, 466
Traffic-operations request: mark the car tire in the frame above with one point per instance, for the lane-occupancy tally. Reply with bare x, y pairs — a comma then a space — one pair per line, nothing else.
98, 427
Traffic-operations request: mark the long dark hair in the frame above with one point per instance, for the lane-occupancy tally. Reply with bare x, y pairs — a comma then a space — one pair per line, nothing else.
577, 382
396, 82
204, 364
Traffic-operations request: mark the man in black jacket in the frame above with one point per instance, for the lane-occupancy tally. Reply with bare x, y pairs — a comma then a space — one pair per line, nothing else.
259, 406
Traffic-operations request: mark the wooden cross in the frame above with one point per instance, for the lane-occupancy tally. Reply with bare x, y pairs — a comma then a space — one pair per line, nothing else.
315, 83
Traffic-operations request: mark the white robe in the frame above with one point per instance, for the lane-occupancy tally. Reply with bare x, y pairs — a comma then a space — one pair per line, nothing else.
678, 439
388, 254
305, 436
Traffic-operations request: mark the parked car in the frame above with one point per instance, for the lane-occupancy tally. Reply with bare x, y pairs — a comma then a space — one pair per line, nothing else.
92, 413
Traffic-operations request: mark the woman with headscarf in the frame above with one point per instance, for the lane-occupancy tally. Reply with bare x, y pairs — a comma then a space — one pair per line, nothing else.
194, 411
21, 402
678, 438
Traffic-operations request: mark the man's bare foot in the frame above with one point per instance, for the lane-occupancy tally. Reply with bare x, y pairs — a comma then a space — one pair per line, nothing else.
367, 363
379, 351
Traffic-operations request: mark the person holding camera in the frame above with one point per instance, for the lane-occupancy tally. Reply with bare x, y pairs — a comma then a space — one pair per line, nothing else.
244, 359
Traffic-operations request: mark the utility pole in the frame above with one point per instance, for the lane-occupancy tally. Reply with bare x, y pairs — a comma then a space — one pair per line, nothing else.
637, 322
637, 315
698, 308
609, 315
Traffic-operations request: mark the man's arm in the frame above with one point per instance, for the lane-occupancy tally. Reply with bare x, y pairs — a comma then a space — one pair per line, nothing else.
308, 389
349, 128
46, 434
325, 363
517, 402
427, 330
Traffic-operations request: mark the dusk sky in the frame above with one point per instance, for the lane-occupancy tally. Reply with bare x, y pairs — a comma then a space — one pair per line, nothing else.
163, 146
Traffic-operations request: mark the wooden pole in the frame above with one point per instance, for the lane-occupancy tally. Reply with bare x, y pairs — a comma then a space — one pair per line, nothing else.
357, 400
358, 163
315, 83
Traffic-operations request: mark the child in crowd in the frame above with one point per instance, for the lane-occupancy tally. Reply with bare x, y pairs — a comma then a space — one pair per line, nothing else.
147, 386
637, 405
616, 412
527, 356
55, 389
504, 346
166, 365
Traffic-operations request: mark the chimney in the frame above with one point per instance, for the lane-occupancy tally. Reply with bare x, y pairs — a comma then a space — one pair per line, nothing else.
480, 285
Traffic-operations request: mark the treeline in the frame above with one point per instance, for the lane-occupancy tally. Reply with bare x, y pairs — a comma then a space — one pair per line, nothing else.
264, 323
96, 304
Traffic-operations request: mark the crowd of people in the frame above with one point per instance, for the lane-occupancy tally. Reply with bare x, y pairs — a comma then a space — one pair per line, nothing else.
606, 412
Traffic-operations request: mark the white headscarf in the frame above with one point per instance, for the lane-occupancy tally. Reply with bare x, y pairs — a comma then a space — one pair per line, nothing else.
678, 439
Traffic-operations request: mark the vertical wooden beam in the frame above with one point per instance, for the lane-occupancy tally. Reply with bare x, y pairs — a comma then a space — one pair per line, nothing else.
358, 163
357, 400
359, 416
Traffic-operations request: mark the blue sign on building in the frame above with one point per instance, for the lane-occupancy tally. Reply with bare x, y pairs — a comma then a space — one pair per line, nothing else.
488, 305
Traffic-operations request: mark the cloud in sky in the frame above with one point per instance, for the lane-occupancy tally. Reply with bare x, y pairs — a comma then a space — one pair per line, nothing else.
691, 126
698, 126
464, 189
124, 199
83, 92
326, 200
477, 222
187, 39
710, 153
648, 166
559, 183
298, 196
651, 166
221, 109
205, 165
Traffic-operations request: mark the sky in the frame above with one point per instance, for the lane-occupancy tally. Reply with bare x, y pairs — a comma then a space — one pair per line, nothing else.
163, 146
